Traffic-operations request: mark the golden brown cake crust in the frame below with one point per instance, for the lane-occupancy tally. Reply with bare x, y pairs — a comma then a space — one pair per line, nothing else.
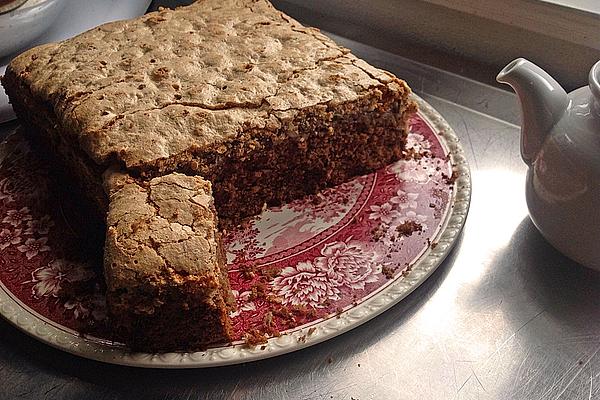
190, 79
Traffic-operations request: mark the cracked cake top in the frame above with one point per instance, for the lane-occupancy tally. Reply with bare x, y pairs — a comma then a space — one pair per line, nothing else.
159, 229
176, 81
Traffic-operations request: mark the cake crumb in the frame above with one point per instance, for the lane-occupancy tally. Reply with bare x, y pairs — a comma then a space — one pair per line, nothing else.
304, 311
411, 153
408, 228
268, 319
315, 200
406, 270
271, 272
248, 271
273, 299
377, 233
258, 291
388, 271
254, 337
450, 179
284, 314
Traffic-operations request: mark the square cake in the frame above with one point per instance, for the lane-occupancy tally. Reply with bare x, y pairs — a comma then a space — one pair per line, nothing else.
233, 91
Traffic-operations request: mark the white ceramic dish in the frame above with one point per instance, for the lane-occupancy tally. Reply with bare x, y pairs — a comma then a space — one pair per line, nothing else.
19, 27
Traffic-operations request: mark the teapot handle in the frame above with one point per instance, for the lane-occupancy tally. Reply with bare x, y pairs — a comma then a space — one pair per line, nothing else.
594, 81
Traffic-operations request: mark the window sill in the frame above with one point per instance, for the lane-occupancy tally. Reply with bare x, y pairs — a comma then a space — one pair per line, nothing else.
474, 38
577, 22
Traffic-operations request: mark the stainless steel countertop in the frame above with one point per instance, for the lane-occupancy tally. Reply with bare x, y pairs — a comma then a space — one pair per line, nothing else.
505, 317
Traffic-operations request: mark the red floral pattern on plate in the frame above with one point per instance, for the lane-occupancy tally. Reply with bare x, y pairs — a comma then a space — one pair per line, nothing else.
291, 266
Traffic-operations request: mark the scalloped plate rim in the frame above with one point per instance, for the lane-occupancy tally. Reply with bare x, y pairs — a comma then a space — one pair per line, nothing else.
31, 324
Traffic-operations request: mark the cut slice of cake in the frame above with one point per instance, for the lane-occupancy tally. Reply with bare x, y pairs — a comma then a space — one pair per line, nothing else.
167, 286
232, 90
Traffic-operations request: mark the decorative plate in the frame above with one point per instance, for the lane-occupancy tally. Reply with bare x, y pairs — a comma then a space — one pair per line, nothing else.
302, 273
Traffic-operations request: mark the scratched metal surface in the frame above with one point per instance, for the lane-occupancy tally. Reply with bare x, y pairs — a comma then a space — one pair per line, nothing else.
505, 316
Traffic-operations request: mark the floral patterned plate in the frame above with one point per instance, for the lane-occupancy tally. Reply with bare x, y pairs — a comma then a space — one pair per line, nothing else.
302, 273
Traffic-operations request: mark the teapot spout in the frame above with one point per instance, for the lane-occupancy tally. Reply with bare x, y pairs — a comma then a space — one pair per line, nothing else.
543, 102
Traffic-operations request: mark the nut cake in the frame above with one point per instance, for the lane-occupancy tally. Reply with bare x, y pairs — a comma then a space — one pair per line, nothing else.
233, 91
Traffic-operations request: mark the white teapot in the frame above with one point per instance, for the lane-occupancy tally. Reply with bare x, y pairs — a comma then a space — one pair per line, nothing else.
560, 142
